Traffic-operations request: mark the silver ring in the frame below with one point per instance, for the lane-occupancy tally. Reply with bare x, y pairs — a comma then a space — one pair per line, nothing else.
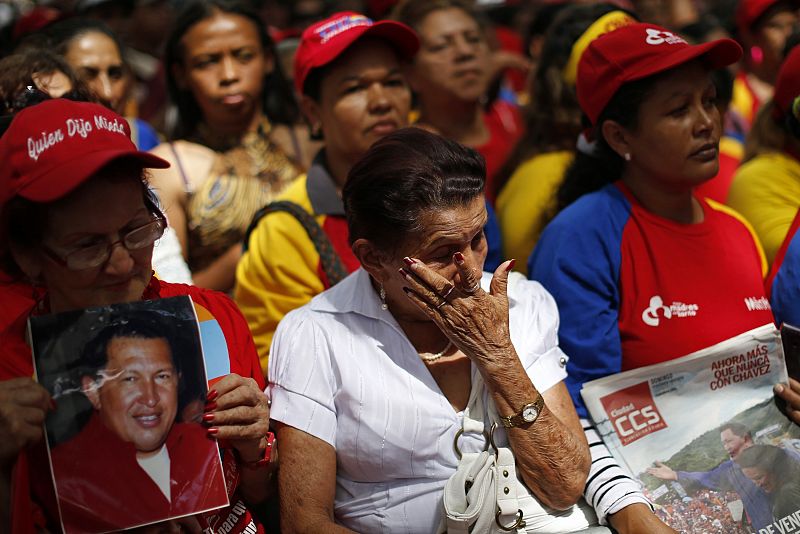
444, 297
473, 289
441, 304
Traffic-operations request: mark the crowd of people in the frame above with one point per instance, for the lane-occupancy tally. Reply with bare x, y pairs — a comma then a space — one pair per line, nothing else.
421, 225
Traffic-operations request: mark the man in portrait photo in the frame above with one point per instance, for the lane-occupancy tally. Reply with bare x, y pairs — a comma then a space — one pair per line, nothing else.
136, 461
728, 476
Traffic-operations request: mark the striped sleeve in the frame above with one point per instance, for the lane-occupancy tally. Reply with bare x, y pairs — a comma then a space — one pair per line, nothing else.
609, 487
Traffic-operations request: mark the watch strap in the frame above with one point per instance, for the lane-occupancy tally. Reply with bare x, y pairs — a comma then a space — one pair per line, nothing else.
518, 418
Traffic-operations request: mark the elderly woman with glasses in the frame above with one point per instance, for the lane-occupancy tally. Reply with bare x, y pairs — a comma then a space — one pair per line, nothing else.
78, 223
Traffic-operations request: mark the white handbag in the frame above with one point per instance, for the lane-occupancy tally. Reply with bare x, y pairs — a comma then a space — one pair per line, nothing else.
485, 494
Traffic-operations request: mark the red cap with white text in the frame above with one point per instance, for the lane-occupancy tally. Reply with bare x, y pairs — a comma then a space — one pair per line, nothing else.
51, 148
325, 41
635, 52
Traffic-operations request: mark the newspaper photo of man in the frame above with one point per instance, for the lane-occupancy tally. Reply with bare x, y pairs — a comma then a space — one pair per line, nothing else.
727, 476
137, 460
776, 471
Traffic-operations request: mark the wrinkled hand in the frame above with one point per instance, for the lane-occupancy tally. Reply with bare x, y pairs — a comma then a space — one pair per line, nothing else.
662, 471
237, 411
23, 406
791, 395
474, 320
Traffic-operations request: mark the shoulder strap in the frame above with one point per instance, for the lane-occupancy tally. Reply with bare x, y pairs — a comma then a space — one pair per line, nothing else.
332, 265
181, 170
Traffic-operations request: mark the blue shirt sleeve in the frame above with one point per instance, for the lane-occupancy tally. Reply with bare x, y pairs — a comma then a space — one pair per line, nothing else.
578, 261
494, 256
146, 136
716, 479
785, 290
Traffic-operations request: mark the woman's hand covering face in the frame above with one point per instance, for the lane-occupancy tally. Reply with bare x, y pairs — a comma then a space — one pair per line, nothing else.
476, 321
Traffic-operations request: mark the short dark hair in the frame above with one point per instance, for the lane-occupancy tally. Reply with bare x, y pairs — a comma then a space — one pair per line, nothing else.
136, 325
404, 175
61, 34
278, 101
738, 429
413, 12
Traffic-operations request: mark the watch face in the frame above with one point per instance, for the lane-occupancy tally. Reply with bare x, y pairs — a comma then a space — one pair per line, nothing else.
529, 413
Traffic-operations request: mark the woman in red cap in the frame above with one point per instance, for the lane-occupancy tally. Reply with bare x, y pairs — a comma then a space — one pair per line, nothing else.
766, 188
644, 271
78, 225
762, 28
349, 71
233, 147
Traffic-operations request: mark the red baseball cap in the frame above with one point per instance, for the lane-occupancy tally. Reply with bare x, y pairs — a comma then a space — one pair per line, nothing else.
51, 148
637, 51
748, 11
787, 85
324, 41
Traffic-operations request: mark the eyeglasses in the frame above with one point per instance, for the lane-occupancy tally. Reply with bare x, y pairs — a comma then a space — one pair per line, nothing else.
95, 255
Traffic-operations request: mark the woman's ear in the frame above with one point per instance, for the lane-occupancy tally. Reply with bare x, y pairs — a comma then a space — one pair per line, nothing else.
617, 138
372, 259
312, 112
28, 260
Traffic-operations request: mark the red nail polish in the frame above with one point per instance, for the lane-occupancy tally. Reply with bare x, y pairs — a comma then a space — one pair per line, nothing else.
213, 431
53, 405
208, 417
210, 406
459, 257
211, 395
510, 265
403, 272
408, 261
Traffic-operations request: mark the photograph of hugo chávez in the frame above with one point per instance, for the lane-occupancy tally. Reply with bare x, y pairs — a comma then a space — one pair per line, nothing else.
126, 444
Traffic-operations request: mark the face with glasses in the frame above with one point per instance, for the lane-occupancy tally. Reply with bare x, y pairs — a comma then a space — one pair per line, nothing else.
97, 245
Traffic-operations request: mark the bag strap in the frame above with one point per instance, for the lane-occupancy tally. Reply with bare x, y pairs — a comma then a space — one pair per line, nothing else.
332, 265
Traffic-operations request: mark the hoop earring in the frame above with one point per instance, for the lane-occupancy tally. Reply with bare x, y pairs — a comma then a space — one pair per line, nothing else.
382, 295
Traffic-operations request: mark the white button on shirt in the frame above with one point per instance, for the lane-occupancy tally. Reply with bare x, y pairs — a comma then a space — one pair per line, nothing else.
341, 369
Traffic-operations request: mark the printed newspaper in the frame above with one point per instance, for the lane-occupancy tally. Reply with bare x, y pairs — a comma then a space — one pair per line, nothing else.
705, 438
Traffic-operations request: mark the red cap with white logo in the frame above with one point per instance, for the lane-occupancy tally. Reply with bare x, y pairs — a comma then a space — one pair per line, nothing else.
635, 52
52, 147
325, 41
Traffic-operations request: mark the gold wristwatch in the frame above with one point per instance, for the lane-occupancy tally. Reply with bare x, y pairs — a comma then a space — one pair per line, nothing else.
526, 415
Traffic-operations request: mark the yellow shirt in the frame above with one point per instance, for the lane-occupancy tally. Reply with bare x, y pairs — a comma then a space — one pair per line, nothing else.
766, 190
525, 199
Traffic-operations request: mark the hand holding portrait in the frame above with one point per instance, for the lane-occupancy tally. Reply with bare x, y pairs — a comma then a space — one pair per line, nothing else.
474, 320
238, 412
23, 406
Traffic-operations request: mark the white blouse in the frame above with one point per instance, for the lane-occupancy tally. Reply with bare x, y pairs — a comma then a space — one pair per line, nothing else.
341, 369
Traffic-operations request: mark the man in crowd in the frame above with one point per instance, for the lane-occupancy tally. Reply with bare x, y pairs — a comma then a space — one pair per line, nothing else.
132, 464
728, 476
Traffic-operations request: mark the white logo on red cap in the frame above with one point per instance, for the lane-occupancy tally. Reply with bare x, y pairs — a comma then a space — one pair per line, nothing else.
335, 27
657, 37
77, 126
